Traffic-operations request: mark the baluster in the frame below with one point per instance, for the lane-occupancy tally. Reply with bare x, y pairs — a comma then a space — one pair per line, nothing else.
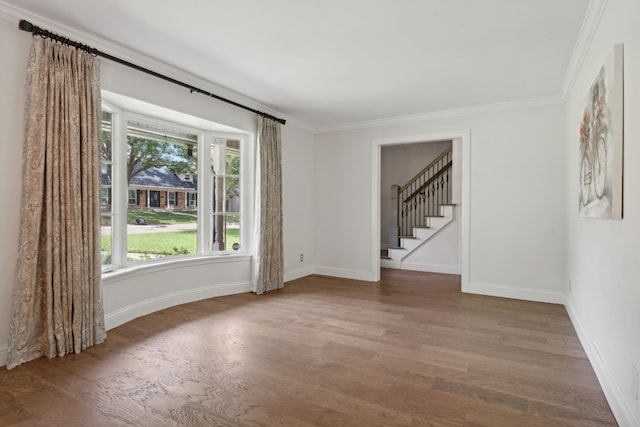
449, 187
415, 210
433, 198
422, 210
401, 200
400, 211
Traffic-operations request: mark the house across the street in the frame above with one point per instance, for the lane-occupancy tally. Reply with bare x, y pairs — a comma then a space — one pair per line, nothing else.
157, 188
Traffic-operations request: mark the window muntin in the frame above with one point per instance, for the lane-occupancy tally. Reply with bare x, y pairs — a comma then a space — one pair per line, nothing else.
134, 205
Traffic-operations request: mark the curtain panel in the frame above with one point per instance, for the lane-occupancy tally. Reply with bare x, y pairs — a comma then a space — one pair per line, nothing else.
268, 271
57, 301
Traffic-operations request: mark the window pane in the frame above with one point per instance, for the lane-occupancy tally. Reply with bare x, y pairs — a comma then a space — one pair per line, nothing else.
225, 184
105, 188
233, 158
162, 218
105, 237
232, 223
105, 137
233, 194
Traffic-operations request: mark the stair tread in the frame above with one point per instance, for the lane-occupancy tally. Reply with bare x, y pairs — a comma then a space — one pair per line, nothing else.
395, 247
407, 237
434, 216
385, 257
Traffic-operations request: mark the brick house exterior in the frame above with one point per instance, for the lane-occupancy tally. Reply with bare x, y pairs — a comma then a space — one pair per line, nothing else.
157, 188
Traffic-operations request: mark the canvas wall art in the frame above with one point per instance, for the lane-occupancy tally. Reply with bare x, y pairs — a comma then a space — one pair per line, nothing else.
601, 142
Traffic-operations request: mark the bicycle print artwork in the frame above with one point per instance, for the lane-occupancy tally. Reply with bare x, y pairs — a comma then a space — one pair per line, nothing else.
600, 155
593, 146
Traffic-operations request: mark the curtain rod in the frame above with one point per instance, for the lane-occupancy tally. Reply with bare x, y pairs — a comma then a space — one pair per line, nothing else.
37, 31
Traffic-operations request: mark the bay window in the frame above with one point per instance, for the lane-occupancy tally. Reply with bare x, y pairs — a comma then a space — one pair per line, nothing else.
154, 204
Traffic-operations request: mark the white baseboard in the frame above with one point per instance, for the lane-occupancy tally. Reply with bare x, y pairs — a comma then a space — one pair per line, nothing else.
298, 273
623, 414
3, 354
514, 293
431, 268
344, 273
142, 308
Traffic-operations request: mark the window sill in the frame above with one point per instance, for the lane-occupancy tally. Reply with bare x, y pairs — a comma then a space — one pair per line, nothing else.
182, 262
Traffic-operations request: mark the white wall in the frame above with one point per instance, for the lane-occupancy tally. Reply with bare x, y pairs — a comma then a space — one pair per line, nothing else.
399, 164
603, 256
517, 168
138, 292
299, 202
14, 50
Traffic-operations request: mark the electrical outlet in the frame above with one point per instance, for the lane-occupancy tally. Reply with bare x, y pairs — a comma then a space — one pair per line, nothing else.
301, 257
634, 382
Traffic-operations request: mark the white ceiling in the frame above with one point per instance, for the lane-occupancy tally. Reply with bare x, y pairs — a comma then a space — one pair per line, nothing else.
332, 62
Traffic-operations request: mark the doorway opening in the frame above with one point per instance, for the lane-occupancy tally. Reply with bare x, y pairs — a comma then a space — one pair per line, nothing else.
461, 140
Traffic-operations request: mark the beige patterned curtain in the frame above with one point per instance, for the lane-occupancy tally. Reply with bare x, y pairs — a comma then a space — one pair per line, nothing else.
268, 271
57, 302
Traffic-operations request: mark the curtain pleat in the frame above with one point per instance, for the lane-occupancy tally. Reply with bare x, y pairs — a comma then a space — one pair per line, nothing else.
57, 300
268, 271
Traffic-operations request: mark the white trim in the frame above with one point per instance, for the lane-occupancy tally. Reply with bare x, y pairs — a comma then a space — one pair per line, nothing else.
594, 13
623, 414
345, 273
298, 273
525, 294
143, 308
445, 114
465, 137
376, 160
4, 350
465, 216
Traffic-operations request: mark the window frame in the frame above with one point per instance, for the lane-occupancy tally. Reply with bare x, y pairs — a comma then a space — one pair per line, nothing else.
136, 197
120, 119
172, 198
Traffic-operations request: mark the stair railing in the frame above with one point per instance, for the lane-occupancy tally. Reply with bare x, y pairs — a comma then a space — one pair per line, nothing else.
423, 195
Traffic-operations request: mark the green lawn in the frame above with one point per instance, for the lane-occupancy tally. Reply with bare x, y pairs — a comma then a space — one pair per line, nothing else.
167, 243
162, 217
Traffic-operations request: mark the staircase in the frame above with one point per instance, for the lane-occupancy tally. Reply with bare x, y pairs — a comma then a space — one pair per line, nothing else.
423, 209
419, 236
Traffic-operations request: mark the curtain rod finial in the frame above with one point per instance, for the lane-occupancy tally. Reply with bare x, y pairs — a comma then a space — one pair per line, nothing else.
25, 25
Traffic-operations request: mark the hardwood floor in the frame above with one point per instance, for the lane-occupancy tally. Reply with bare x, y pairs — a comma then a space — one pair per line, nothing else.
410, 350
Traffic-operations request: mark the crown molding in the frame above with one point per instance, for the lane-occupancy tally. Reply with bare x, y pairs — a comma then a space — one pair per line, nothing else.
446, 114
590, 24
595, 10
15, 14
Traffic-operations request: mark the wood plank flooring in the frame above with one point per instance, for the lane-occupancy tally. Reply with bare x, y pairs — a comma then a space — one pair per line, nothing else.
410, 350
